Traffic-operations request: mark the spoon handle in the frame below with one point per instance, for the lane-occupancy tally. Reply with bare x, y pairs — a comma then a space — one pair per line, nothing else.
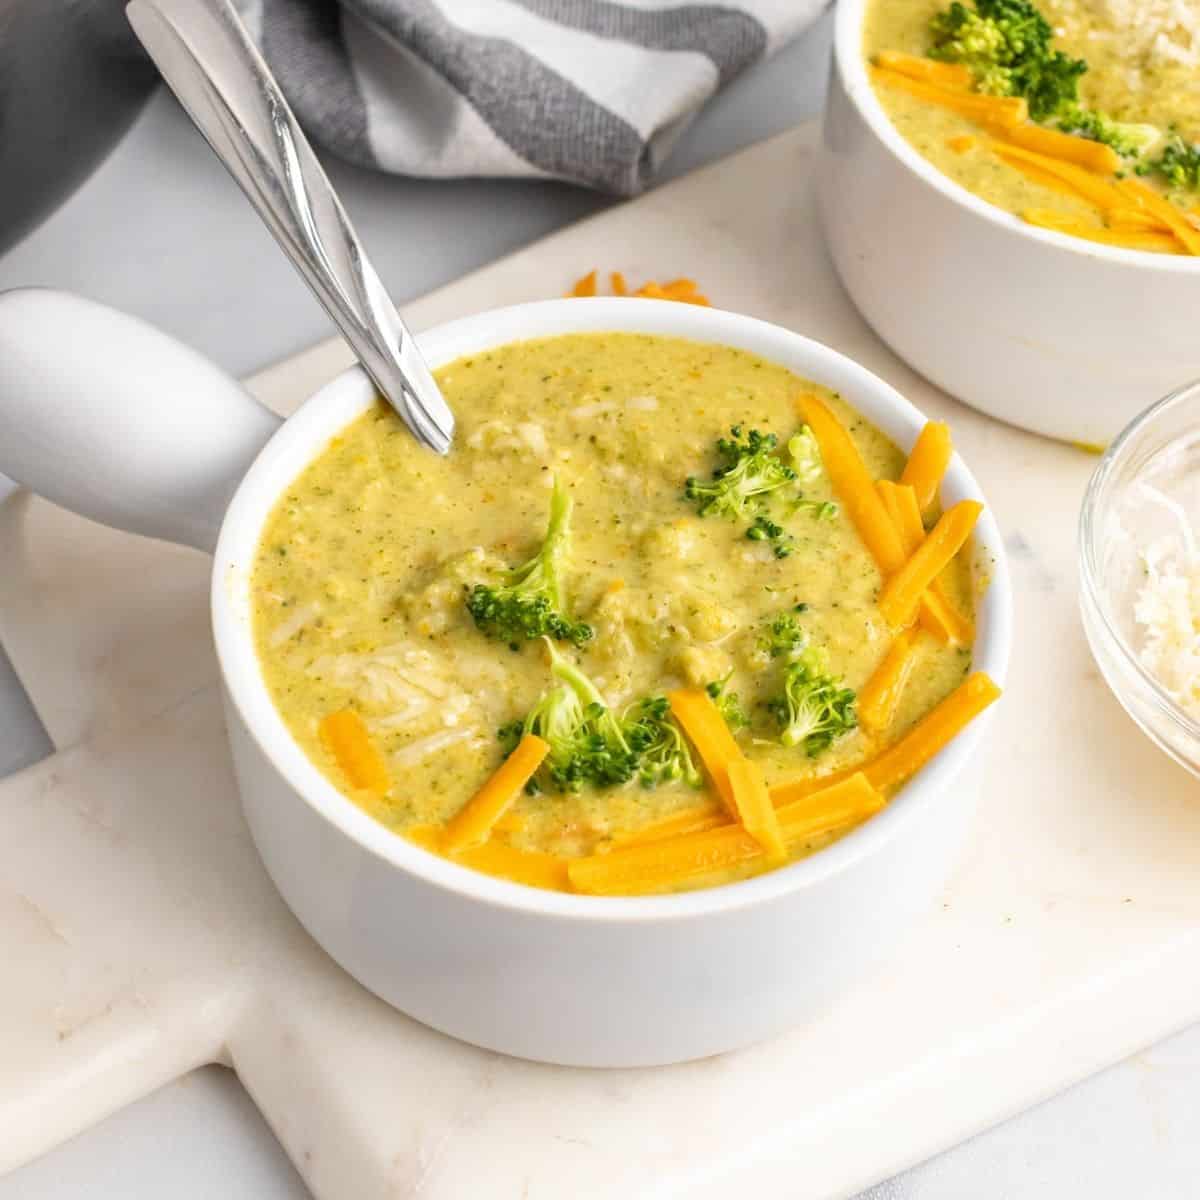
205, 55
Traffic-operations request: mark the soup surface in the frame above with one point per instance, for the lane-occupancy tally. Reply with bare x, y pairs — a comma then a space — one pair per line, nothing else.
366, 566
1136, 73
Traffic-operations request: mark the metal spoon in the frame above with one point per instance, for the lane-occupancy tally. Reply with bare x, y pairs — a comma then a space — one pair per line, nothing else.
206, 56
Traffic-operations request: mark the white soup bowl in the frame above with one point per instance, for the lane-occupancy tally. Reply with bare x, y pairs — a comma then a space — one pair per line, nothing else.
1058, 335
146, 435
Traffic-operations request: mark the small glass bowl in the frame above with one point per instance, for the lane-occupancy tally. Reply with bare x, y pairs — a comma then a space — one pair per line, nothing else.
1119, 519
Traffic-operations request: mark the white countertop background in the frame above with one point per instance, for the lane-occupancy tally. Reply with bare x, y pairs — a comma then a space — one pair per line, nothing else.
161, 232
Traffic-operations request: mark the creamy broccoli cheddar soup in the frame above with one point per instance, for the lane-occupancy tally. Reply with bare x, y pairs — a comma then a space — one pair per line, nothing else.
1077, 115
632, 633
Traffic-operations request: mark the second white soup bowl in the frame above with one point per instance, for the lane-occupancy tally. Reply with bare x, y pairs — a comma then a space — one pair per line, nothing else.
561, 978
1058, 335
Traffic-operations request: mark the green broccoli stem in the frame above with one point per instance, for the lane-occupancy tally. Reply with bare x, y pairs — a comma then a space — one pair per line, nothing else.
555, 718
1006, 44
812, 709
543, 573
588, 695
530, 603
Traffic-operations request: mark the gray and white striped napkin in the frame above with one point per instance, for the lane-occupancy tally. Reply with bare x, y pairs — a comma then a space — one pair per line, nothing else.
592, 91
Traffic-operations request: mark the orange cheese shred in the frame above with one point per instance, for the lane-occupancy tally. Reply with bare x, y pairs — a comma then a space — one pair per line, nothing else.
672, 862
701, 720
546, 871
807, 808
853, 484
530, 867
900, 761
900, 599
686, 291
927, 462
1146, 198
1062, 147
691, 820
754, 808
1130, 239
585, 286
1130, 220
881, 693
938, 613
1002, 111
1083, 182
651, 291
472, 824
1056, 183
512, 821
890, 493
345, 736
953, 77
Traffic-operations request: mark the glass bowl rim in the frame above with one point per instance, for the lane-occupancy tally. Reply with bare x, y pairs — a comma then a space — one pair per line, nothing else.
1093, 597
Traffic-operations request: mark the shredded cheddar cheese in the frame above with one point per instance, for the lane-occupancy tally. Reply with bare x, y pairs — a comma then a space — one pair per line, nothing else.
1167, 609
683, 290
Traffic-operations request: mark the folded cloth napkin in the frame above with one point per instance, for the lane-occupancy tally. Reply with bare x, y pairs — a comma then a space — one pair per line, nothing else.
593, 91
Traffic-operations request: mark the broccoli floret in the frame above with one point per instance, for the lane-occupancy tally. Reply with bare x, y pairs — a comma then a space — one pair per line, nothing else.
1128, 139
662, 751
557, 719
812, 710
806, 456
961, 35
1007, 46
751, 469
509, 735
807, 463
822, 510
1179, 163
728, 704
532, 602
765, 530
783, 637
587, 744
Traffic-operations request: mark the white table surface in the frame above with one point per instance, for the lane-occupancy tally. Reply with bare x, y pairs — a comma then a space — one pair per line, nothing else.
161, 232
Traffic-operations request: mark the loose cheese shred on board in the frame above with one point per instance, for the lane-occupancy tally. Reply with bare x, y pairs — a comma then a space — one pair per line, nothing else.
683, 290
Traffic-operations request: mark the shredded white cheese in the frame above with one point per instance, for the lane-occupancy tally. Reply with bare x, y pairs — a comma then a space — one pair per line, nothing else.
523, 437
394, 676
422, 748
597, 408
534, 436
1167, 609
1156, 30
300, 619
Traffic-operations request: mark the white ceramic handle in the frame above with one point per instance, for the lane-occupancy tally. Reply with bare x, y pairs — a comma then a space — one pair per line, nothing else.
118, 422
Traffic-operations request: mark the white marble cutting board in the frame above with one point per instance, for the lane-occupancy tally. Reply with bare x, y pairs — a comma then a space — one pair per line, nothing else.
140, 937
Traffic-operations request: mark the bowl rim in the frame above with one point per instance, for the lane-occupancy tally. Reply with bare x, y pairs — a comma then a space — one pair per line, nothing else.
322, 415
850, 65
1090, 535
